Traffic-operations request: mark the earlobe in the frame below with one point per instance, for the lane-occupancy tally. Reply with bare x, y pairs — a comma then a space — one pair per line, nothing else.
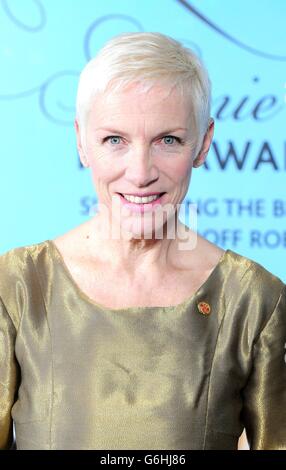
84, 161
195, 163
199, 160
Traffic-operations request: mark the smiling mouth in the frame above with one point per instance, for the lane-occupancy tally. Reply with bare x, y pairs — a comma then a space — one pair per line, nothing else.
138, 199
143, 195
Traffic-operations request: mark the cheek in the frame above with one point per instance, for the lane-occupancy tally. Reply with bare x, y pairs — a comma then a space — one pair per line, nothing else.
101, 169
181, 170
99, 175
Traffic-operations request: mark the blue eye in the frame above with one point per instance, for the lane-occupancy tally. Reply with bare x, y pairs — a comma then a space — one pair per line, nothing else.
112, 137
169, 139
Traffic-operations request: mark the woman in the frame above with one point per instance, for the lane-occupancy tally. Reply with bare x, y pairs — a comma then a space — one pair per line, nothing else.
117, 334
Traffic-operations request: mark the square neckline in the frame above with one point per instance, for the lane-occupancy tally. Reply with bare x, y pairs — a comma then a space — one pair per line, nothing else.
90, 301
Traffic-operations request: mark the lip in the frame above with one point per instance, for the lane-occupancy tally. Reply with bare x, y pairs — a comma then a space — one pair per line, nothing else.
144, 207
142, 194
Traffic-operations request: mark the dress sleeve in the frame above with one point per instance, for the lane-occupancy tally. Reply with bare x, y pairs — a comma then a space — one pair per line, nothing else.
8, 377
264, 397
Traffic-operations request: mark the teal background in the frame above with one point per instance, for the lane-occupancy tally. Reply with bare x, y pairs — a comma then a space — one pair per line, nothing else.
44, 45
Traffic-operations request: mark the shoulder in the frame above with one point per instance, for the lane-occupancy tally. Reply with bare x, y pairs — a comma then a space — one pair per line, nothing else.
251, 291
247, 271
16, 260
17, 275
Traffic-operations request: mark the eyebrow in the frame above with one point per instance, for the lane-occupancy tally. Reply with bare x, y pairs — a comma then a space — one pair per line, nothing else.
116, 131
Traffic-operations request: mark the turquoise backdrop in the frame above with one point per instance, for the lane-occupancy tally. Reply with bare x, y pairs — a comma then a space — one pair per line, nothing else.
240, 192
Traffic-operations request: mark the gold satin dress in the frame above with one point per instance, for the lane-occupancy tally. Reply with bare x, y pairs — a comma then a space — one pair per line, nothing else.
77, 375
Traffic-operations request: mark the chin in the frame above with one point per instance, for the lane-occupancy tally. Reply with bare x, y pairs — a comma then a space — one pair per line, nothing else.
135, 228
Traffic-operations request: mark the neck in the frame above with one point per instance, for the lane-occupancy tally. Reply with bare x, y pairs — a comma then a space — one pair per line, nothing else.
135, 255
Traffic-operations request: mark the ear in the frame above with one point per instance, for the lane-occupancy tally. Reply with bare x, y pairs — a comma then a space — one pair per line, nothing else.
200, 158
80, 147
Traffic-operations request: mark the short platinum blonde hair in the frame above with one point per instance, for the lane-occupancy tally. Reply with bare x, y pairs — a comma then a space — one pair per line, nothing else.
149, 58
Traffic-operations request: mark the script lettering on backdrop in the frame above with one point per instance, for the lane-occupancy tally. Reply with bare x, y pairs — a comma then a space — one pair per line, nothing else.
56, 107
56, 97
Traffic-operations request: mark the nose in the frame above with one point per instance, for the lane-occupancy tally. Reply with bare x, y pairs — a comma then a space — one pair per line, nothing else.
140, 170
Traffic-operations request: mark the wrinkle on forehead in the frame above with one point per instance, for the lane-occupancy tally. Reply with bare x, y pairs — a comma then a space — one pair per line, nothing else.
144, 87
157, 96
160, 106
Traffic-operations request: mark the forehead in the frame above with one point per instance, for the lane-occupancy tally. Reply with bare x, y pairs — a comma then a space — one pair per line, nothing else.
160, 101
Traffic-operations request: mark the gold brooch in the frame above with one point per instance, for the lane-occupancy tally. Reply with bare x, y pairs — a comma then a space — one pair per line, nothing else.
204, 308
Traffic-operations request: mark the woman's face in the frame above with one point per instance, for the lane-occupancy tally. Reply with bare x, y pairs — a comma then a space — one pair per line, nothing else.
139, 143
